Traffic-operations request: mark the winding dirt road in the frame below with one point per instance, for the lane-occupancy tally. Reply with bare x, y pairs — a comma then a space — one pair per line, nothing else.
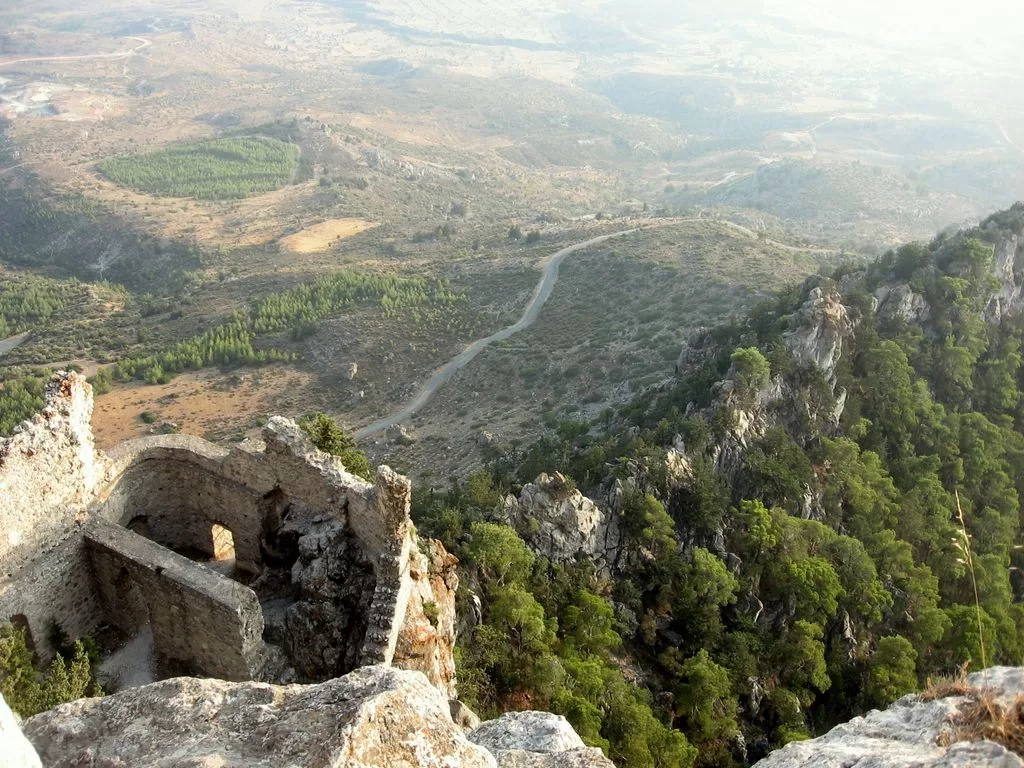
143, 43
540, 296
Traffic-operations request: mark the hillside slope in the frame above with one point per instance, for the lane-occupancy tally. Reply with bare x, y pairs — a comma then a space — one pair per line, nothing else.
802, 517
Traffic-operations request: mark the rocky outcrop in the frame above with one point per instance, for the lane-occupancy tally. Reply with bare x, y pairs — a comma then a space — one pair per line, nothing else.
375, 716
819, 328
899, 303
558, 522
16, 750
1009, 264
912, 733
537, 740
426, 641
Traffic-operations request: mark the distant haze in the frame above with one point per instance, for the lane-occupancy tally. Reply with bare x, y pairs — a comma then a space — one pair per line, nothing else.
983, 29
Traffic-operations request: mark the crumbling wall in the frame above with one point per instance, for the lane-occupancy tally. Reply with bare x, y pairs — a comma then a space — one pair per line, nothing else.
203, 623
176, 498
48, 471
334, 557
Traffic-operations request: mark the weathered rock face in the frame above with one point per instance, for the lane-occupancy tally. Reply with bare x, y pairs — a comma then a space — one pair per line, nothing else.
900, 303
907, 735
1009, 263
536, 740
558, 523
426, 641
374, 717
16, 750
819, 328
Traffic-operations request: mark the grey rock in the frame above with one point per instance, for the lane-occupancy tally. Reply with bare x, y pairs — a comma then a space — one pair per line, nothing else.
558, 523
401, 434
907, 735
820, 327
463, 716
16, 750
536, 740
1009, 268
375, 716
900, 302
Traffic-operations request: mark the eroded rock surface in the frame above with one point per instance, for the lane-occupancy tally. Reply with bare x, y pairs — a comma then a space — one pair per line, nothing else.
1009, 267
374, 717
558, 522
819, 329
906, 735
537, 740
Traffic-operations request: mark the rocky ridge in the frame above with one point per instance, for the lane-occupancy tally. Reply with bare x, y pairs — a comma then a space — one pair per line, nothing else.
912, 733
376, 716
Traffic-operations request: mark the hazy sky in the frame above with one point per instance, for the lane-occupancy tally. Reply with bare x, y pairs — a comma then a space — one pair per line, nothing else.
969, 23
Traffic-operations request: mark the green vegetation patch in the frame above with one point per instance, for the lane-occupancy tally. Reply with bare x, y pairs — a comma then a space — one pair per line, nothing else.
297, 311
220, 169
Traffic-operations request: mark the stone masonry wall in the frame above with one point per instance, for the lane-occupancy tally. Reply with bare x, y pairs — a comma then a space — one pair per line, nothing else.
179, 500
203, 623
274, 495
48, 473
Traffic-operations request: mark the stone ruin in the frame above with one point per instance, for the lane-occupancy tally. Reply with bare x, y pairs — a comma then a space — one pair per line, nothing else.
268, 561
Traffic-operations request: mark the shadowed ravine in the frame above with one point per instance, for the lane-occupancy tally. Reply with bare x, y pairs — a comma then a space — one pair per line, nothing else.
540, 296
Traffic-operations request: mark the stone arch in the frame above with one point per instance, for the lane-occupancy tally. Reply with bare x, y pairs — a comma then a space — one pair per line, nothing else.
176, 500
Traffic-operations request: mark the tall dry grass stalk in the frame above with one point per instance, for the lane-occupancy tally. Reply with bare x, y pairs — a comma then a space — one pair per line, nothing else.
963, 543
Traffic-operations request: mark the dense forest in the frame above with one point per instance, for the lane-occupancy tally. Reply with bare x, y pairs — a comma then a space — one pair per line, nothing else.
834, 539
219, 169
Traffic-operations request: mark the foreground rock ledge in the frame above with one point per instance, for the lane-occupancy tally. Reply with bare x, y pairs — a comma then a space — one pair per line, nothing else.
906, 735
375, 717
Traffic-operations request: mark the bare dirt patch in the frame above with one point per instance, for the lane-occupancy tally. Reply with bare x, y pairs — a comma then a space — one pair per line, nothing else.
320, 237
208, 403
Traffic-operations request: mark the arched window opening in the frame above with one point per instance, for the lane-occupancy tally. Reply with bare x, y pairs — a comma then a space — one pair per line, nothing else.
223, 542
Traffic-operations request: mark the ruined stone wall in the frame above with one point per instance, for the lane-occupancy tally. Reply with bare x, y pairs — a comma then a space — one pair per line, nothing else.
343, 549
48, 471
56, 586
203, 623
177, 500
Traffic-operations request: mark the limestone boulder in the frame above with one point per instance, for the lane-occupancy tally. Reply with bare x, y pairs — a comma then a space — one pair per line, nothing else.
375, 717
912, 733
537, 740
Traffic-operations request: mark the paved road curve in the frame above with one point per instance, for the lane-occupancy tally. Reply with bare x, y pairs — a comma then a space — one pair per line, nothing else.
540, 296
